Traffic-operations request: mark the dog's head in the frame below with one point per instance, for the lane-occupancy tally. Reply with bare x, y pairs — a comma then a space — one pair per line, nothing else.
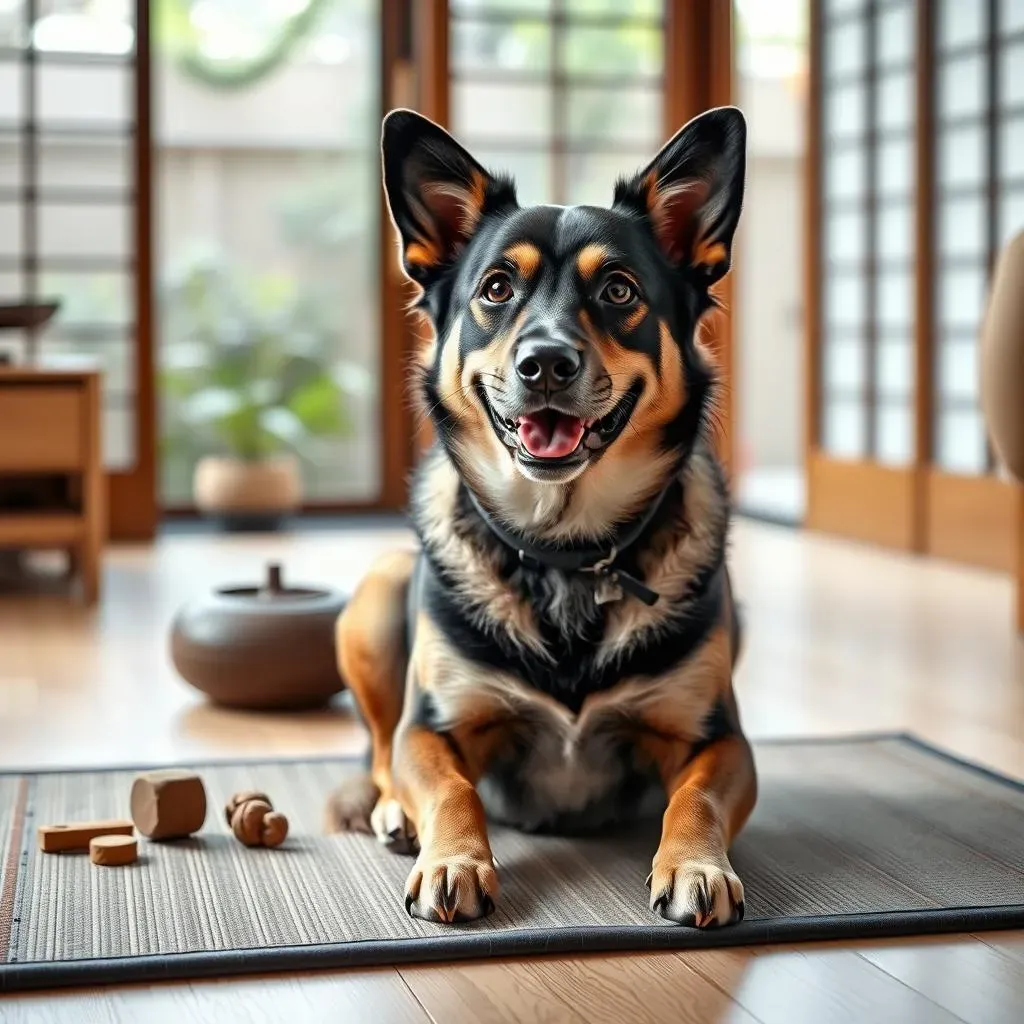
564, 379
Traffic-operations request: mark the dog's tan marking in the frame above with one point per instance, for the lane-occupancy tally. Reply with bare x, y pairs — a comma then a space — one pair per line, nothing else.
369, 641
480, 317
422, 254
526, 257
454, 876
590, 260
636, 318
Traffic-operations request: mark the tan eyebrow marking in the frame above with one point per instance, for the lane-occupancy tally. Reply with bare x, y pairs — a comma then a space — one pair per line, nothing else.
636, 318
525, 256
590, 259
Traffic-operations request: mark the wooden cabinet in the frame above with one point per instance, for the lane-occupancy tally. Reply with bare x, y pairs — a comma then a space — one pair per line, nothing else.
52, 489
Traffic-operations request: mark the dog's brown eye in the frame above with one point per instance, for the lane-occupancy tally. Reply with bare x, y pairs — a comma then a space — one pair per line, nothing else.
497, 288
619, 291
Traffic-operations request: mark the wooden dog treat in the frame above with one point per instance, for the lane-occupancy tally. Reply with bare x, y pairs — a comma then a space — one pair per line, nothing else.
168, 804
113, 851
77, 835
254, 821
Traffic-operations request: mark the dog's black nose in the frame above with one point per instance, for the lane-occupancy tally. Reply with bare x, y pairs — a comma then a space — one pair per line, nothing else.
547, 365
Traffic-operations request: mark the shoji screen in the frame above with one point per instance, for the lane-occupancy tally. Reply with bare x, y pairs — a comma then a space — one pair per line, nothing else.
977, 173
916, 177
862, 264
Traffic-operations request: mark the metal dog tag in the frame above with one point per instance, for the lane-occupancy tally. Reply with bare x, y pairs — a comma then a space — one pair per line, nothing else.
607, 589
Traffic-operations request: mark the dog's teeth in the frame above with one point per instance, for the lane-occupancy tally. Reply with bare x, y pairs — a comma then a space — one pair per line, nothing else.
593, 440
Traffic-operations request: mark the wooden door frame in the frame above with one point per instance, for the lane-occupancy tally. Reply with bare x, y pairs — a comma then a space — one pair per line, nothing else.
699, 75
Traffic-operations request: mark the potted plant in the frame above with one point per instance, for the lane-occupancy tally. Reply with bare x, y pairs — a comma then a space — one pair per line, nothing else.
249, 383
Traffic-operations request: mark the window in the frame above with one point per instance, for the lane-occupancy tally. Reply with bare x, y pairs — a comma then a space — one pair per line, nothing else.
566, 95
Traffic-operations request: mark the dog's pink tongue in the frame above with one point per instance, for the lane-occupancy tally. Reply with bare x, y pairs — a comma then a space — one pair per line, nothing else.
550, 435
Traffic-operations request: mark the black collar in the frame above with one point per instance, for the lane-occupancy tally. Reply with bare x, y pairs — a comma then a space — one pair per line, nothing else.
599, 562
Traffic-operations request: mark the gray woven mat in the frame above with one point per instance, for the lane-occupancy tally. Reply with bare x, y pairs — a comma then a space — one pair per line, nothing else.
850, 838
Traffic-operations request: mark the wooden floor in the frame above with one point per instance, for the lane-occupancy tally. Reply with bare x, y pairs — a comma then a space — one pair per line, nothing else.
840, 639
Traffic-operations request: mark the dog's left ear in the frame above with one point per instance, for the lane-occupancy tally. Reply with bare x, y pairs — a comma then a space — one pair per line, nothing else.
436, 191
692, 192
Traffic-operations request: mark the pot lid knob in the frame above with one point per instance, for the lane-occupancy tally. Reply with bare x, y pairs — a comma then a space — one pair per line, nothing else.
274, 584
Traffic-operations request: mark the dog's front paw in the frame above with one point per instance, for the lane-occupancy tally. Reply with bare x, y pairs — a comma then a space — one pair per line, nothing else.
451, 889
701, 894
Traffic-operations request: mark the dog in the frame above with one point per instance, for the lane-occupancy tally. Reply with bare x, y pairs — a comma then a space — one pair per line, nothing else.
557, 656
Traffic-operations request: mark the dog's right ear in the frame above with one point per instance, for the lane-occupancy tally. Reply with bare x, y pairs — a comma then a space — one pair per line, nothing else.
436, 191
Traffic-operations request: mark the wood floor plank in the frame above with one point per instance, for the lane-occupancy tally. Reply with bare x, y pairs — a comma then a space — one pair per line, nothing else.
814, 986
651, 988
969, 978
379, 996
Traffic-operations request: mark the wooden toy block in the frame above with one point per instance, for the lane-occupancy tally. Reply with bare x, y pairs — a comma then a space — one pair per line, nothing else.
168, 804
113, 851
77, 835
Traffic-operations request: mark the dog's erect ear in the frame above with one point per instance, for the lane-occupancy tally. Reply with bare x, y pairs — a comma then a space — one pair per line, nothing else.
692, 192
437, 192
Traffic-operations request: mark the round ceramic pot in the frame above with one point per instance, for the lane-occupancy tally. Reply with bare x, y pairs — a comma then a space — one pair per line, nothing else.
269, 646
247, 493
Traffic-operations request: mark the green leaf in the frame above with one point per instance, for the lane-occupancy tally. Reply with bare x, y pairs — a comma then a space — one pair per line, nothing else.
318, 406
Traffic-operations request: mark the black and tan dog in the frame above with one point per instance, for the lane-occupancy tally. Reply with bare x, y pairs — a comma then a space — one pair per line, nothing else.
558, 656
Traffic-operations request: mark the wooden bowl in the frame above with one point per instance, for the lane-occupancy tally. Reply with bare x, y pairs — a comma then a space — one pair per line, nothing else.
268, 646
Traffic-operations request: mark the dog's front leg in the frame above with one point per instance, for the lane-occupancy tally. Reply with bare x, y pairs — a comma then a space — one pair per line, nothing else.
710, 797
454, 877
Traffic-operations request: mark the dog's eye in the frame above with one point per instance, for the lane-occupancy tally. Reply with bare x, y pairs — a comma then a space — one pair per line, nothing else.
497, 288
619, 291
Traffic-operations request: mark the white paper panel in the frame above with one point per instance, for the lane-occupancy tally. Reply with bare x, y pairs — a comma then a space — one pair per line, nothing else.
1011, 15
846, 111
10, 159
12, 288
895, 297
1011, 75
894, 227
962, 227
845, 434
846, 173
11, 80
962, 86
961, 297
894, 366
844, 365
894, 35
958, 371
960, 444
11, 234
894, 167
501, 111
841, 7
118, 438
78, 230
845, 237
97, 95
895, 100
961, 156
845, 301
1011, 215
84, 163
961, 22
845, 48
1011, 148
894, 434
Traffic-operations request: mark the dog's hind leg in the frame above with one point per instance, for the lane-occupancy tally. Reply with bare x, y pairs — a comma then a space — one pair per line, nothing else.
372, 657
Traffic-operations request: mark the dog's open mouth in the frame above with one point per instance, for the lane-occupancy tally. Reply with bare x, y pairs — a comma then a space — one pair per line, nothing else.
552, 436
